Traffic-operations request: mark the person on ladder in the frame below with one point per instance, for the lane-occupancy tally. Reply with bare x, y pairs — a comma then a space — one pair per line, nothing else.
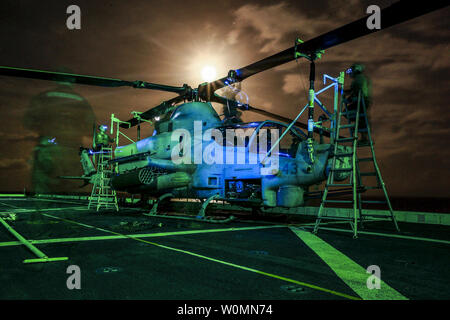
359, 83
102, 139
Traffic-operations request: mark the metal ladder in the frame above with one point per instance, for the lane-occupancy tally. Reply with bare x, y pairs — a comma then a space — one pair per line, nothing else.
354, 185
103, 195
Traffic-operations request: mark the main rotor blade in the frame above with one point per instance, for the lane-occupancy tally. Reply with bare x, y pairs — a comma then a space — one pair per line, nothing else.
396, 13
225, 101
284, 119
161, 109
87, 80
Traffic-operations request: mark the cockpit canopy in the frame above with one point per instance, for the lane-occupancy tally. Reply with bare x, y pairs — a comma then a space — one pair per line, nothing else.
287, 146
184, 116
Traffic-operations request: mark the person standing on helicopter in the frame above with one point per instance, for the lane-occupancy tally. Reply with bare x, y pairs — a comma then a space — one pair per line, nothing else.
360, 83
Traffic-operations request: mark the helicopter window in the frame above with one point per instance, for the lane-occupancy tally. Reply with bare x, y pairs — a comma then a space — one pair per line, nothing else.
236, 137
289, 143
287, 146
181, 146
212, 181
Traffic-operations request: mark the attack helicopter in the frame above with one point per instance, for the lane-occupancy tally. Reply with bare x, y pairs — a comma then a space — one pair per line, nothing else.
196, 154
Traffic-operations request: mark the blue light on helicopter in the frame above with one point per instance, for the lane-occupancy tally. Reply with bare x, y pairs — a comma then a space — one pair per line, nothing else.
284, 154
98, 152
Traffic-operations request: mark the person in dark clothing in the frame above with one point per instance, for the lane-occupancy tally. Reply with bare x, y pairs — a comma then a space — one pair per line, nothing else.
62, 120
360, 83
44, 165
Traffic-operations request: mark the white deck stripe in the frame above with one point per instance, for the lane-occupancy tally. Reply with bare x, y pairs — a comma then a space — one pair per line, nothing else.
349, 271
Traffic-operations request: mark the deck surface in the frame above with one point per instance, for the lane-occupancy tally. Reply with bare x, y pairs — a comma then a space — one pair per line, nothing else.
189, 260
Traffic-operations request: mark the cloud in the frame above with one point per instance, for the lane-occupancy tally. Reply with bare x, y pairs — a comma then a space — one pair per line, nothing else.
295, 83
291, 83
14, 164
17, 137
408, 65
272, 23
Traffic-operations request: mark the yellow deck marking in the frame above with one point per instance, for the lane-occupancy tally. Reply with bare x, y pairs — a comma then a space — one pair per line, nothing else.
59, 201
336, 293
47, 209
145, 235
212, 259
388, 235
219, 261
256, 271
349, 271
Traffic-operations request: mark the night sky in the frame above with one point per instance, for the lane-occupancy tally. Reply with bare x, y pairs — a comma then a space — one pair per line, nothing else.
169, 42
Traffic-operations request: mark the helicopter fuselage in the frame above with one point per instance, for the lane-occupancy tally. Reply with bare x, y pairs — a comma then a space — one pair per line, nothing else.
197, 156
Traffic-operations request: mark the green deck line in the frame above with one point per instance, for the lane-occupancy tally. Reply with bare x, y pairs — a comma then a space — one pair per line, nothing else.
60, 201
388, 235
351, 273
271, 275
16, 195
145, 235
47, 209
42, 257
10, 205
312, 286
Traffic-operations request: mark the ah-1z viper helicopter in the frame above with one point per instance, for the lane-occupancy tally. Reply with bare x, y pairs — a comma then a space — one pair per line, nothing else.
166, 163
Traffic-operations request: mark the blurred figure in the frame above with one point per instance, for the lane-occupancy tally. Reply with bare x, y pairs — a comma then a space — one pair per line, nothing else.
44, 164
43, 175
66, 119
359, 83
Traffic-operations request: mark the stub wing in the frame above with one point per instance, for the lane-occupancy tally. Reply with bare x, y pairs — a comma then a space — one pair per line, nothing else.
87, 180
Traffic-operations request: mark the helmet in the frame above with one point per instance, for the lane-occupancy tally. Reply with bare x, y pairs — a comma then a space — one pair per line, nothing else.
357, 68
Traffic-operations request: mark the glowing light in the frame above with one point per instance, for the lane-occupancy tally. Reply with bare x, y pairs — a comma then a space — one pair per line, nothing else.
157, 118
52, 141
208, 73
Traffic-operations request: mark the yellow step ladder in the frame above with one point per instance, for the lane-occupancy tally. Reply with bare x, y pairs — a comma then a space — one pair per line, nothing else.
103, 195
354, 184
